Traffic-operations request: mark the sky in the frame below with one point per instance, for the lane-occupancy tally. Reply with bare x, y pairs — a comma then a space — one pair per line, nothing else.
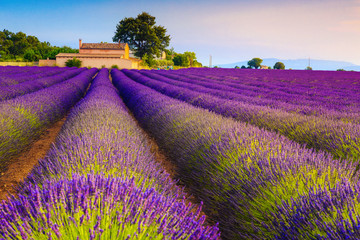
228, 30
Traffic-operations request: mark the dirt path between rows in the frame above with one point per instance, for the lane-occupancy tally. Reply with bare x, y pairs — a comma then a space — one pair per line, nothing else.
22, 164
170, 168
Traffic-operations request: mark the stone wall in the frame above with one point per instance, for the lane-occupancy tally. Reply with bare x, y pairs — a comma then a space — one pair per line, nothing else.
97, 62
47, 62
22, 64
102, 51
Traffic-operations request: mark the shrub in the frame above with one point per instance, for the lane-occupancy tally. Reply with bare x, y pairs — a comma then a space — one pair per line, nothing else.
115, 66
73, 63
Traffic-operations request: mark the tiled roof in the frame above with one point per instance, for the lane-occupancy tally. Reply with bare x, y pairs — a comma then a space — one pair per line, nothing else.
118, 46
84, 55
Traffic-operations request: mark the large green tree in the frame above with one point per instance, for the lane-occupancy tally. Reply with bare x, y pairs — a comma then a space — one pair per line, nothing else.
279, 65
255, 63
142, 35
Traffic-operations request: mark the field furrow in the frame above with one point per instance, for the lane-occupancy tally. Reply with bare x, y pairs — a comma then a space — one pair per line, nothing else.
339, 138
101, 181
255, 183
23, 118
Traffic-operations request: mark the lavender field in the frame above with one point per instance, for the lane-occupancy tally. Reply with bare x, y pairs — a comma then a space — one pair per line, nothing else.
267, 154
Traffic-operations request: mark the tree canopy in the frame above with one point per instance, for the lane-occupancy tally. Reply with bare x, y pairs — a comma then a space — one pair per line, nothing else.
255, 63
186, 59
279, 65
27, 47
142, 35
181, 60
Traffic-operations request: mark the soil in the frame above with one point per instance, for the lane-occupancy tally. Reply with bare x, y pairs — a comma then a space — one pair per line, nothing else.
170, 168
21, 165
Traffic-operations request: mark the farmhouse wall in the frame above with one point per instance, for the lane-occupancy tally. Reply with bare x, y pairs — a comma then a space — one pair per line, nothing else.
47, 62
103, 51
135, 64
96, 61
101, 55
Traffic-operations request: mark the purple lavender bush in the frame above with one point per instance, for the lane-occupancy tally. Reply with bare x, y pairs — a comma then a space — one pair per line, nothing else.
340, 139
98, 207
36, 84
255, 183
12, 75
100, 181
285, 98
23, 118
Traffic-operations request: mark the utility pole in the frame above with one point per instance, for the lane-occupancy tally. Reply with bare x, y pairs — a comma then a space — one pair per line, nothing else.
210, 61
309, 62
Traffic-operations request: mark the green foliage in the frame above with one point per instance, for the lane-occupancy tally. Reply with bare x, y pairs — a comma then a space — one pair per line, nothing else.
197, 64
73, 62
236, 67
170, 53
308, 68
243, 67
279, 65
340, 69
19, 47
148, 60
163, 63
181, 60
255, 63
115, 66
31, 56
56, 50
142, 35
191, 56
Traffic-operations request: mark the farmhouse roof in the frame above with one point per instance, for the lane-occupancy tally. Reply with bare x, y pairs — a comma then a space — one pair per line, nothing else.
119, 46
85, 55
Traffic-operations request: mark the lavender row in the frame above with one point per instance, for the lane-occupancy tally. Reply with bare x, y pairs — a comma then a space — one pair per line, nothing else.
340, 139
257, 184
333, 112
304, 100
23, 118
100, 137
17, 75
310, 94
36, 84
100, 181
272, 88
293, 80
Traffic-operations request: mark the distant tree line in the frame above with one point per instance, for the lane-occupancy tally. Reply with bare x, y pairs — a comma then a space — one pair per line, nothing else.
256, 63
172, 58
21, 47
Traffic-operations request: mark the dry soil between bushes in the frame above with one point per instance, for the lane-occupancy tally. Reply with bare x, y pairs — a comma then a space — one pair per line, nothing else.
21, 165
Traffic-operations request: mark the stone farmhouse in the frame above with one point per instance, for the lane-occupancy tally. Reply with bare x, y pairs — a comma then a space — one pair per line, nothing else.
101, 55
